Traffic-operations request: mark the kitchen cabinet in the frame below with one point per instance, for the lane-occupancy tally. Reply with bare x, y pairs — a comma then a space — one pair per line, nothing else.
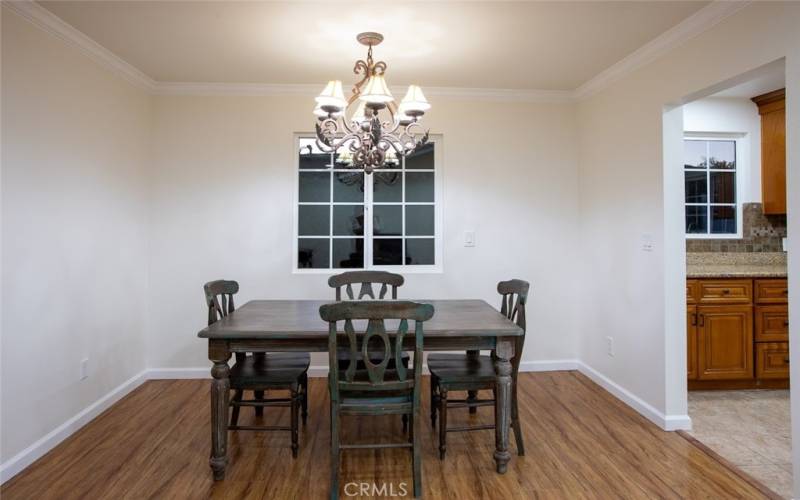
772, 108
691, 342
737, 333
724, 342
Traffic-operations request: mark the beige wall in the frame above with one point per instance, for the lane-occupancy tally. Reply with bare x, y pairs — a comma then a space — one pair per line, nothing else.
75, 153
223, 181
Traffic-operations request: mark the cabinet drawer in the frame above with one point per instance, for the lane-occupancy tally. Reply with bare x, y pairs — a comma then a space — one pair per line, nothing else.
692, 288
772, 323
772, 291
726, 291
772, 360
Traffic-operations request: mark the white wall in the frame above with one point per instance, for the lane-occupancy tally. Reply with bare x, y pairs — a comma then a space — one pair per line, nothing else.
222, 208
731, 115
622, 197
74, 253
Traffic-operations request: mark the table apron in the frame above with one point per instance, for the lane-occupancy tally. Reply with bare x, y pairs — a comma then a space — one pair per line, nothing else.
321, 345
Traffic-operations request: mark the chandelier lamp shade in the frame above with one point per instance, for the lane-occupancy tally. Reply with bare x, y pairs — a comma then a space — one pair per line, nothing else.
377, 130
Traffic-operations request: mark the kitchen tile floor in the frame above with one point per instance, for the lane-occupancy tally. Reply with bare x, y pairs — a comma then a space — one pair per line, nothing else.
750, 429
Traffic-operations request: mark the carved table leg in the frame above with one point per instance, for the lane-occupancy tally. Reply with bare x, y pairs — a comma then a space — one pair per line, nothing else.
220, 387
502, 368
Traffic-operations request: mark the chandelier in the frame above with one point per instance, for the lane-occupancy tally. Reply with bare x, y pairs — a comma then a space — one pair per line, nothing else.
369, 139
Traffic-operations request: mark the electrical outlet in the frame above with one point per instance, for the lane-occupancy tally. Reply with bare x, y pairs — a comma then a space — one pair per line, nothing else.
84, 368
610, 346
469, 238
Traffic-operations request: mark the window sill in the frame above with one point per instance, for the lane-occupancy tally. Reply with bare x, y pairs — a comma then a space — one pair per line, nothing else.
391, 269
714, 237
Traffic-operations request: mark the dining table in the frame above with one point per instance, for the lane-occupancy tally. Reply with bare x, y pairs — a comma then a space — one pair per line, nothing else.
296, 326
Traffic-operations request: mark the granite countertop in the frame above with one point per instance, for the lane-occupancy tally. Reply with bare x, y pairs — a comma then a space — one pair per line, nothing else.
735, 265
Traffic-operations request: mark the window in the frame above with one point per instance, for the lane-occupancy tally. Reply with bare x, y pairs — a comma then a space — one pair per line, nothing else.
711, 179
348, 220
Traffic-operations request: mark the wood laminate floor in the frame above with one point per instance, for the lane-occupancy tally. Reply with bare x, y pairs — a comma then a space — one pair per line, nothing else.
580, 441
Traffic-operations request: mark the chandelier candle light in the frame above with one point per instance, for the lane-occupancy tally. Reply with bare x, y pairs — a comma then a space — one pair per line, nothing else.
369, 140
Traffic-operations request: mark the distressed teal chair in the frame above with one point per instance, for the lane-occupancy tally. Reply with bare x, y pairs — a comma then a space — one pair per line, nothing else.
367, 282
261, 372
376, 389
473, 372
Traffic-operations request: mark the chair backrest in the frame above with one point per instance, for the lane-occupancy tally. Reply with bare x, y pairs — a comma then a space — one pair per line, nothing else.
514, 298
366, 279
392, 344
219, 298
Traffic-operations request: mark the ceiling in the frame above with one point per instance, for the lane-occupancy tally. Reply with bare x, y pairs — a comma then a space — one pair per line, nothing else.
773, 78
500, 45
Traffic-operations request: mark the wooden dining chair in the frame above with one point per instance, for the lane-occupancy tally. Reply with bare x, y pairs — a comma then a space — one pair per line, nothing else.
473, 372
261, 372
376, 389
367, 282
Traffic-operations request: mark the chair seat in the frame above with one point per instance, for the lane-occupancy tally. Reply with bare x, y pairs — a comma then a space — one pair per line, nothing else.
458, 368
376, 402
274, 369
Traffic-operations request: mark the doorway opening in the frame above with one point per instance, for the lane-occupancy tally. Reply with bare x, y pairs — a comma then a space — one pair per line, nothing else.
728, 194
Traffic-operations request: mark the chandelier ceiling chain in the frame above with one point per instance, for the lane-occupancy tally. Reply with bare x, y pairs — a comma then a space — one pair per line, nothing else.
369, 141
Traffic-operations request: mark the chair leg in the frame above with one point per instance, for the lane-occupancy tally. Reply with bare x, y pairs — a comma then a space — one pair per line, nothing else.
404, 417
259, 395
471, 397
334, 451
515, 422
295, 419
442, 422
304, 383
416, 459
434, 400
237, 396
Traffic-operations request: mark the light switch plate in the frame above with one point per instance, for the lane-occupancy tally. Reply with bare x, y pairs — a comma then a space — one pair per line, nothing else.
647, 242
469, 238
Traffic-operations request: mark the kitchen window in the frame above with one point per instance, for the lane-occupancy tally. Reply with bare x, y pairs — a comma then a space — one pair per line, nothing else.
345, 219
712, 178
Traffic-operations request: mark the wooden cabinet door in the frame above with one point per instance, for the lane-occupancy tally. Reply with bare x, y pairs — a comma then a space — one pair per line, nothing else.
691, 342
724, 342
771, 107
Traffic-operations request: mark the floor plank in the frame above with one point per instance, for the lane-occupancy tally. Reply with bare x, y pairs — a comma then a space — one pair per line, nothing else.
580, 442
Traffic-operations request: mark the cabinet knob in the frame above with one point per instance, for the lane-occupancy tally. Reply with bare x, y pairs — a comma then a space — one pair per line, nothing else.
725, 291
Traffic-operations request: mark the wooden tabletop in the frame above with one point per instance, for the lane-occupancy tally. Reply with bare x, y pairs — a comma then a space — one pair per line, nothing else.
299, 319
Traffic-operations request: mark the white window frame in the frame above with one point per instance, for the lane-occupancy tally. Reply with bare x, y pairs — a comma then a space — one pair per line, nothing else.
741, 173
438, 267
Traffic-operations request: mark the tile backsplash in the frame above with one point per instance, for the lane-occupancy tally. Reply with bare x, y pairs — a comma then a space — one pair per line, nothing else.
761, 233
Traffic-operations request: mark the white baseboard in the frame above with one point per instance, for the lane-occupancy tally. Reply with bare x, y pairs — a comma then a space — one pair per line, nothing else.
666, 422
555, 365
24, 458
33, 452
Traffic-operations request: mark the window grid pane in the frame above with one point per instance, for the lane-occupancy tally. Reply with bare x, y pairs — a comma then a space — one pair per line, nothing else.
711, 205
353, 196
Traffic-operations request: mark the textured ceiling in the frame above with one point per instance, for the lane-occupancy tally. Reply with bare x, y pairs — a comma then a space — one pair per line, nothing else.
516, 45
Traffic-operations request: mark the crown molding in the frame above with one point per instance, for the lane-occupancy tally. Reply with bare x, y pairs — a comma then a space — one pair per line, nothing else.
302, 89
50, 23
694, 25
699, 22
